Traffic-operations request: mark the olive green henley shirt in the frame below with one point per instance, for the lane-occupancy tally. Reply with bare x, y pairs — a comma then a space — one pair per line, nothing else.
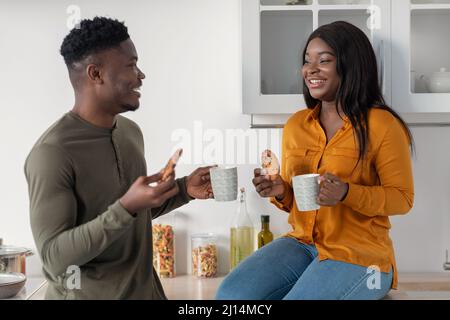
76, 173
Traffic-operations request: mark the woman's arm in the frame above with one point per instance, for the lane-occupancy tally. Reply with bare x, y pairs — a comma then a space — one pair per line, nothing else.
395, 194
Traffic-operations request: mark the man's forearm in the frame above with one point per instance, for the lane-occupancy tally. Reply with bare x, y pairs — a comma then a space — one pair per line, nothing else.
81, 244
175, 202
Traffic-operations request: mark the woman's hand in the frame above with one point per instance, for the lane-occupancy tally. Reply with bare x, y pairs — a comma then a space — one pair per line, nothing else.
269, 186
332, 190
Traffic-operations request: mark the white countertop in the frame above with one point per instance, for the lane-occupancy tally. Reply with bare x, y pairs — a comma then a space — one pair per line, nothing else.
189, 287
412, 285
422, 286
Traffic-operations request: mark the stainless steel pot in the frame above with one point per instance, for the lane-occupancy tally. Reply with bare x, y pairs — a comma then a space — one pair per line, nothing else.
13, 259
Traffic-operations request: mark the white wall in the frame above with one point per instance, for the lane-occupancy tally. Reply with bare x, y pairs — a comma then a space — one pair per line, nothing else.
190, 52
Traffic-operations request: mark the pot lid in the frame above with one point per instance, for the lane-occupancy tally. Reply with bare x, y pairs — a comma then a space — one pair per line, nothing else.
11, 251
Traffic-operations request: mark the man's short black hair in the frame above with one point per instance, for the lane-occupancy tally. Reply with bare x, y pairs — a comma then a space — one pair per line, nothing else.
92, 36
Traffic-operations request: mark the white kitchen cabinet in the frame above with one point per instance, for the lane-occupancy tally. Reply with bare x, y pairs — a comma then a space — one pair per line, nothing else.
420, 46
410, 39
274, 34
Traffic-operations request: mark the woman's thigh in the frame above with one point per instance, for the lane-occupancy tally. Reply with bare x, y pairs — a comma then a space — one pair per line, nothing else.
337, 280
269, 273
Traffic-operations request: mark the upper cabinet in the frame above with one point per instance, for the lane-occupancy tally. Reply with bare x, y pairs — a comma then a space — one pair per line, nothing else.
421, 56
409, 37
274, 34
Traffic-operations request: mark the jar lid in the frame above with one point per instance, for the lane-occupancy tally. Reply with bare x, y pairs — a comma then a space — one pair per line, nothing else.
209, 236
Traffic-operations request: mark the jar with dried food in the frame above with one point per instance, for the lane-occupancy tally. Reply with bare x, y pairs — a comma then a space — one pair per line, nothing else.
163, 250
204, 255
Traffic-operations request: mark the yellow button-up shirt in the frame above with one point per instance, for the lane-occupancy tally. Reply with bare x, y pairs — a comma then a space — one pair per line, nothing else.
356, 230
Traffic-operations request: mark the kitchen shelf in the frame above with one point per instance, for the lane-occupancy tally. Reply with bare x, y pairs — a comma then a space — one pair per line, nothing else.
286, 8
333, 2
270, 3
430, 6
345, 7
317, 7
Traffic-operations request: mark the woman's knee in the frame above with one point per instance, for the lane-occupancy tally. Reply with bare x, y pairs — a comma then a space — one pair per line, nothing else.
231, 289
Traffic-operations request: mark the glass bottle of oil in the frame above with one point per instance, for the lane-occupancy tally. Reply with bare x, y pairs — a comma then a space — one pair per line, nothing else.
242, 236
265, 235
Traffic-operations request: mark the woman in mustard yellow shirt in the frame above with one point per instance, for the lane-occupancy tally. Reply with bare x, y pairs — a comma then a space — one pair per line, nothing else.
361, 149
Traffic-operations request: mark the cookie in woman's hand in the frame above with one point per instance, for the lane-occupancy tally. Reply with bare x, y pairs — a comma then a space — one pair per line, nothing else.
269, 163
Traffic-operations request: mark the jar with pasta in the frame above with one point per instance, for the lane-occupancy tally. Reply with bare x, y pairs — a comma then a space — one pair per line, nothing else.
204, 255
163, 250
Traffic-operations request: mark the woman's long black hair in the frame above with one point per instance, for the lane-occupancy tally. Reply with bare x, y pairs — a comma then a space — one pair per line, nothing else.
359, 89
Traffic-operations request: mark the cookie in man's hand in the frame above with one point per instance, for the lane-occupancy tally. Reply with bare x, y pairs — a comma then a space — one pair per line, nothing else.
169, 169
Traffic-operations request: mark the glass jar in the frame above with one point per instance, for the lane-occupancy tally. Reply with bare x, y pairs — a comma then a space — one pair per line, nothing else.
204, 255
163, 250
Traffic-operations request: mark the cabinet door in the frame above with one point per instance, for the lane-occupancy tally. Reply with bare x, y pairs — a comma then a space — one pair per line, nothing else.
373, 17
420, 48
273, 38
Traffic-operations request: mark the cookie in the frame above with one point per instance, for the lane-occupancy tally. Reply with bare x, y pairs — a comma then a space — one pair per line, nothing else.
269, 163
170, 166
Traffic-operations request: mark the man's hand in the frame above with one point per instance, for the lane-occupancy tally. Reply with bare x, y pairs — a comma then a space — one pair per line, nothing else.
198, 184
142, 196
269, 186
332, 190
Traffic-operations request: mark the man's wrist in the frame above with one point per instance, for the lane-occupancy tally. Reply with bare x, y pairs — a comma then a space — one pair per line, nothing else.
186, 184
133, 214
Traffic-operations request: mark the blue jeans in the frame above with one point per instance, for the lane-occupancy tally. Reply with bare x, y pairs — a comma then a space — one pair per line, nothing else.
289, 270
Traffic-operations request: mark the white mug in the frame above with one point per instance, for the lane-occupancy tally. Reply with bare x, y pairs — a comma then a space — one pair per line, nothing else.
224, 183
306, 190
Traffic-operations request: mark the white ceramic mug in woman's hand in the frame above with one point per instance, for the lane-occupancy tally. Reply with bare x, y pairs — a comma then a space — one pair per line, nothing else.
306, 190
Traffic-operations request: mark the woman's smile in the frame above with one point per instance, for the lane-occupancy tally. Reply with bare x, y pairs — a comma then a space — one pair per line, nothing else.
315, 83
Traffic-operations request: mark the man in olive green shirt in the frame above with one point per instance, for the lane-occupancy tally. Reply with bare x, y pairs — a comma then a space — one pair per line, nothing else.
91, 201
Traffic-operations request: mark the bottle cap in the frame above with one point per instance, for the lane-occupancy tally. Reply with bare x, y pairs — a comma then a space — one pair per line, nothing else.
265, 219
